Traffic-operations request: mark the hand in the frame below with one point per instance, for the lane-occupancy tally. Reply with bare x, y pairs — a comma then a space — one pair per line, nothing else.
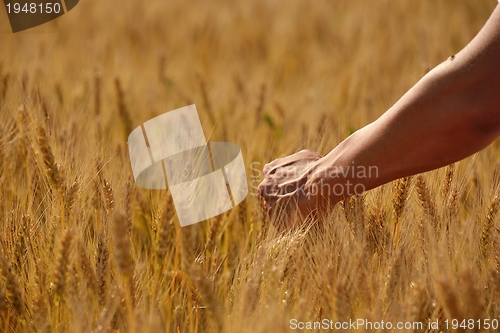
287, 187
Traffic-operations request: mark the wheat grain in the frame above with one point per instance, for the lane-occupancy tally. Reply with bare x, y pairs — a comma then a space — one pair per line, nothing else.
123, 250
87, 268
400, 190
3, 303
102, 268
213, 234
12, 285
488, 224
129, 202
448, 180
70, 197
108, 195
51, 168
427, 202
377, 234
62, 263
122, 109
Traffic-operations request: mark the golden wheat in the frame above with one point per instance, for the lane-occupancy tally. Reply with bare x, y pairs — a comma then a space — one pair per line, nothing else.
83, 249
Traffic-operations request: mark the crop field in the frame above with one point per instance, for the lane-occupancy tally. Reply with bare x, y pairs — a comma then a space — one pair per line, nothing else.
84, 249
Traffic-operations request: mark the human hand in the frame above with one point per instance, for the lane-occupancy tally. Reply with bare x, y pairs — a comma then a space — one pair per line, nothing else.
288, 188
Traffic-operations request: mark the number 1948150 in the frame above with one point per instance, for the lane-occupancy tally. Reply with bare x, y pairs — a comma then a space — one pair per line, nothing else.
34, 8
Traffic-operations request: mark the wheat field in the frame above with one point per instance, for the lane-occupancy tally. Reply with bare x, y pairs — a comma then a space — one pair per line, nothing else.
83, 249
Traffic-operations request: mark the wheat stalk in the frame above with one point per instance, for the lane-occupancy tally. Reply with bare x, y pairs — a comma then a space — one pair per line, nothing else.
260, 105
122, 108
97, 94
206, 100
5, 87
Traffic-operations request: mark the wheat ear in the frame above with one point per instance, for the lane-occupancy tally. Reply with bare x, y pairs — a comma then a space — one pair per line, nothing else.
12, 285
489, 223
427, 201
63, 258
400, 189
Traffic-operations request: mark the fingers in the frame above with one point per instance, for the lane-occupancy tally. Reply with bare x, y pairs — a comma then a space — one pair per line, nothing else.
285, 181
302, 156
291, 185
282, 188
272, 192
268, 189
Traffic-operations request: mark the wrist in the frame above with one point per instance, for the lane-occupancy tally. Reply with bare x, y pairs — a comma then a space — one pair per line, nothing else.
327, 182
336, 176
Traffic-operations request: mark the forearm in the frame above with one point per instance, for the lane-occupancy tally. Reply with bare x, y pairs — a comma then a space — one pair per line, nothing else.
451, 113
403, 143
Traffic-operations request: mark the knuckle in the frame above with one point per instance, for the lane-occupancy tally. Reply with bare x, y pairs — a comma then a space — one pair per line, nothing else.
268, 167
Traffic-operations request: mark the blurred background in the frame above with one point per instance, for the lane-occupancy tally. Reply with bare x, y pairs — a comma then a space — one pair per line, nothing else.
295, 66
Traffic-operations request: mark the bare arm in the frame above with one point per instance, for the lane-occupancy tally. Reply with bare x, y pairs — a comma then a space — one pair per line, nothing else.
451, 113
